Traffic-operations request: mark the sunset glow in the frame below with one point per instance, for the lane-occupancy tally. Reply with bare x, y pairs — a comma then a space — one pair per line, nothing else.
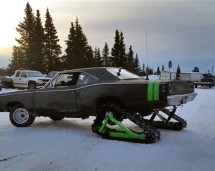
9, 16
181, 31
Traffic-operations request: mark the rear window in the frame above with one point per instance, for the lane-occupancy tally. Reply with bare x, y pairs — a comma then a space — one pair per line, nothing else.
85, 78
35, 74
122, 74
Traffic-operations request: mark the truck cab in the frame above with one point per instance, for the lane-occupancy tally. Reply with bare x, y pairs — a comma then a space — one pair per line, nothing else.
28, 79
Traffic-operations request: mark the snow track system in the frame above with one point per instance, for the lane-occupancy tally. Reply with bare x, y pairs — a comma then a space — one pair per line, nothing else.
108, 124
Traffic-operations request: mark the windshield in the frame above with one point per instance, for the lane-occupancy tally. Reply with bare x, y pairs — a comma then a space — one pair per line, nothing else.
122, 73
35, 74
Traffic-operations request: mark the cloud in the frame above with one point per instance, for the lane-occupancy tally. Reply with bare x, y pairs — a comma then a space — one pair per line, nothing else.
181, 31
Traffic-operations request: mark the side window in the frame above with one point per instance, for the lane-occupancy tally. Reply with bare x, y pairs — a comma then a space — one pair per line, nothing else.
24, 74
17, 74
85, 78
67, 79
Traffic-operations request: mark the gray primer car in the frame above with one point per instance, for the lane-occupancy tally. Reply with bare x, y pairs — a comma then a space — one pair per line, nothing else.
81, 93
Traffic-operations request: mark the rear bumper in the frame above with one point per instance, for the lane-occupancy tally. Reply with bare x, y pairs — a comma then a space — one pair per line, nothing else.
180, 99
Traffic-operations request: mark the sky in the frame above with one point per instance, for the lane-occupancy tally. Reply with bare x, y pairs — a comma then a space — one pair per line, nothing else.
182, 31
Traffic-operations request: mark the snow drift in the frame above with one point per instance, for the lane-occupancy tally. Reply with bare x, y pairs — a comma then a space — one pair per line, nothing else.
71, 145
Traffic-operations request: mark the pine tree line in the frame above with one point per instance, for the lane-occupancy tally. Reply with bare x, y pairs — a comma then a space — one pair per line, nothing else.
38, 48
178, 70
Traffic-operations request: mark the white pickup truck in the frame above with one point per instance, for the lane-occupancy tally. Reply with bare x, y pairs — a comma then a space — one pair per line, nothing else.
29, 79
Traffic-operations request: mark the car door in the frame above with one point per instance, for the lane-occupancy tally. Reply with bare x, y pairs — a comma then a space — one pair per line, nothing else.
23, 79
20, 79
16, 79
59, 98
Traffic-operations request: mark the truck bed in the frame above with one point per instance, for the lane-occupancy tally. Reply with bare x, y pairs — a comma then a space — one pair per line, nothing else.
209, 84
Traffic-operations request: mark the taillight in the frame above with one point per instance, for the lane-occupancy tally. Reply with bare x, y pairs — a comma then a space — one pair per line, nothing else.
163, 88
170, 87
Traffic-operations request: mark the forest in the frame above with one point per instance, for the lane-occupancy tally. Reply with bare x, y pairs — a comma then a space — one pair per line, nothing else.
38, 48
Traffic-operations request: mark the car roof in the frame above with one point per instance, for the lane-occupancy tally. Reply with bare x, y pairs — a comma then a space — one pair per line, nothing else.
27, 70
100, 72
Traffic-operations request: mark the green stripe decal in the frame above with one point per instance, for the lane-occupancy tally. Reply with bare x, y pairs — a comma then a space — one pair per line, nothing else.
153, 91
150, 91
156, 90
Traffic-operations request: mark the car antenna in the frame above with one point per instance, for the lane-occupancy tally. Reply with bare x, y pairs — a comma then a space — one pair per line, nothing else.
118, 73
147, 69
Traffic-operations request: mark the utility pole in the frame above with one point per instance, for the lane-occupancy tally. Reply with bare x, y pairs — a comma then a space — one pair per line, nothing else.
212, 69
147, 63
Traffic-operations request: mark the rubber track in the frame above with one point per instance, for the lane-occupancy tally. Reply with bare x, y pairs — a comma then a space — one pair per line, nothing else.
176, 117
152, 134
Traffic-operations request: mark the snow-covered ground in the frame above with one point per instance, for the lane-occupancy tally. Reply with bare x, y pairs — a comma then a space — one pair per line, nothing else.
71, 145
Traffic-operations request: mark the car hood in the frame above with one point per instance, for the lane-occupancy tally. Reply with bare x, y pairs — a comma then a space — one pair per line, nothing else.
40, 78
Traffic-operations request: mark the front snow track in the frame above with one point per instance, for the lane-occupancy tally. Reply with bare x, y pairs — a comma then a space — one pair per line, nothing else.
113, 114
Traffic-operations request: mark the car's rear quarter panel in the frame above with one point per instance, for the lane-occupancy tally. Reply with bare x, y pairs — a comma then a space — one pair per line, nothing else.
132, 96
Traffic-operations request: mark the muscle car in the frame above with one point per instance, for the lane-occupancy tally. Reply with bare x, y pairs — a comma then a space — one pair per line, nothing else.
108, 93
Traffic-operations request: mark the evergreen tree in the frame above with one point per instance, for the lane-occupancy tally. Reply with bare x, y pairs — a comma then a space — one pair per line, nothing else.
136, 65
143, 73
163, 68
25, 49
106, 59
118, 51
196, 69
3, 72
115, 50
16, 60
78, 52
178, 72
147, 70
89, 57
39, 45
150, 71
122, 51
158, 71
170, 64
82, 45
70, 57
130, 62
52, 48
97, 58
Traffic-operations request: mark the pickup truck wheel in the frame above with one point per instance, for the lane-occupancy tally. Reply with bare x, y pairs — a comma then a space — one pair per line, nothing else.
20, 117
31, 86
56, 118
